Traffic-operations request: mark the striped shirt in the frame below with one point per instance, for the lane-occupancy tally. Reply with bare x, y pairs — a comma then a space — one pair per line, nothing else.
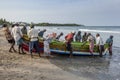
7, 33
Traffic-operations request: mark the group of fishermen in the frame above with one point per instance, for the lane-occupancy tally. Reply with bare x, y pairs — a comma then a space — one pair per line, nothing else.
15, 35
88, 37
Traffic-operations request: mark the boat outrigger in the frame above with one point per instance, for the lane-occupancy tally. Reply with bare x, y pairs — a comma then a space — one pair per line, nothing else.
59, 47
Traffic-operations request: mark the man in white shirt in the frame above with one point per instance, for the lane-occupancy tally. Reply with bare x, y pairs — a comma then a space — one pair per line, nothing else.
99, 43
17, 35
33, 35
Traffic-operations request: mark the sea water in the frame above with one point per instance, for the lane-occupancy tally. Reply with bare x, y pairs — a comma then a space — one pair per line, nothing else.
104, 31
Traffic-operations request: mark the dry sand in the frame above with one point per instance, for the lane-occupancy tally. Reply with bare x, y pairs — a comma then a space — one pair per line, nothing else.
22, 67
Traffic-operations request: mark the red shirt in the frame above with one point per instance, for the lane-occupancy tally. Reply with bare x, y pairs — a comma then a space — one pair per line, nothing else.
69, 37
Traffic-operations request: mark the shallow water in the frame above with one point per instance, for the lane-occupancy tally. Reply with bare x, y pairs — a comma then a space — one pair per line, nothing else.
93, 68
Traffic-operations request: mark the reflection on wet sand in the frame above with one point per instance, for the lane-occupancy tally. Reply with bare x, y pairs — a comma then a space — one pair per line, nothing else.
95, 68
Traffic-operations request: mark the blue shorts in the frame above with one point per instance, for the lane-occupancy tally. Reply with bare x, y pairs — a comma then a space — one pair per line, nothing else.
20, 41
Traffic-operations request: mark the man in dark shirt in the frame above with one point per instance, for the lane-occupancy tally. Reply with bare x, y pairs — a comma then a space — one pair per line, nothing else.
58, 37
109, 41
41, 33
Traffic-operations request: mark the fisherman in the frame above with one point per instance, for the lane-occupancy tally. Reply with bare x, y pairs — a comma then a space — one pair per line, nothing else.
91, 43
9, 37
52, 36
17, 35
33, 36
41, 33
47, 41
99, 43
58, 37
78, 37
69, 39
109, 41
84, 37
24, 30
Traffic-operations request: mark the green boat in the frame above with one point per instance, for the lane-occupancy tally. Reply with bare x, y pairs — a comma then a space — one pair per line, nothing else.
59, 47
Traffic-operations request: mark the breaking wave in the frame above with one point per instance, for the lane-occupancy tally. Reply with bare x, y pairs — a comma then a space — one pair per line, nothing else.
102, 31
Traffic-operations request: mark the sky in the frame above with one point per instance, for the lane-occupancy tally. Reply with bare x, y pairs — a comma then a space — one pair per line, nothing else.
86, 12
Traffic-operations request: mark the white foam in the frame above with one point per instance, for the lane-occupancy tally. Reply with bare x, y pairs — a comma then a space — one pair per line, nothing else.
102, 31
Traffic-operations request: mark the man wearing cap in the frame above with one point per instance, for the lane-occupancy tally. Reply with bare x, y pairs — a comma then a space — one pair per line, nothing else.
33, 36
69, 39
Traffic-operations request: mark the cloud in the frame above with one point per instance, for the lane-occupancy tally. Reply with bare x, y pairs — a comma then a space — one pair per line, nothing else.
88, 12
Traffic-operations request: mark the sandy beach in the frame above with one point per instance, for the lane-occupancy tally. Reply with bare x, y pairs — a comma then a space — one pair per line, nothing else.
14, 66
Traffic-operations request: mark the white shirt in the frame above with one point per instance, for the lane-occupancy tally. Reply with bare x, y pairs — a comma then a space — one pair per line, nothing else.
90, 39
16, 33
99, 41
33, 34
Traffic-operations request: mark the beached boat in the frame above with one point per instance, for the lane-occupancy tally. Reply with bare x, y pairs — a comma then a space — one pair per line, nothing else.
59, 47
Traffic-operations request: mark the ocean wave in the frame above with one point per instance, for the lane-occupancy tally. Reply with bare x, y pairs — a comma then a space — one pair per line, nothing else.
102, 31
116, 47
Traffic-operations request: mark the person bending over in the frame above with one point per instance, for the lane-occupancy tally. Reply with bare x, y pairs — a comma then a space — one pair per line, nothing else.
69, 39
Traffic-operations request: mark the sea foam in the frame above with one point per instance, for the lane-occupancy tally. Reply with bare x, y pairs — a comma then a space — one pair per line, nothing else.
101, 31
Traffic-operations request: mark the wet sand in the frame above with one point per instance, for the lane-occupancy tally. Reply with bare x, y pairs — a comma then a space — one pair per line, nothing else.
60, 67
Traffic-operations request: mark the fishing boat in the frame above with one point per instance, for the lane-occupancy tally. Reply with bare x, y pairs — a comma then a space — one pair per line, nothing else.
59, 47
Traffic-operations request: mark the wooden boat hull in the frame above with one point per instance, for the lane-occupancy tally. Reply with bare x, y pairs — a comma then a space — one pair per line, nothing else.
60, 47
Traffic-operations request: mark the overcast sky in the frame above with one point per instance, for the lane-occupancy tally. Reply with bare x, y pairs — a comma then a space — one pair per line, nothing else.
87, 12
